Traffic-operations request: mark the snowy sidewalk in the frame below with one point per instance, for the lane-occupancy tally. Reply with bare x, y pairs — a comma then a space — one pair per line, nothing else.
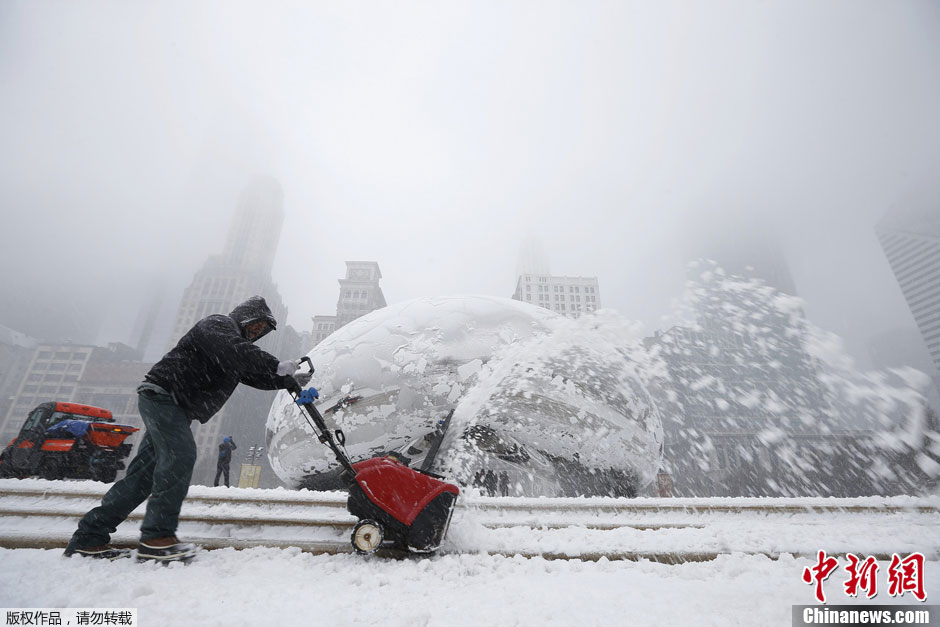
287, 587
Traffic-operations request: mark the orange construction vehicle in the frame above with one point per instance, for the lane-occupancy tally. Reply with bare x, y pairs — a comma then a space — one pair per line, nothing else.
67, 441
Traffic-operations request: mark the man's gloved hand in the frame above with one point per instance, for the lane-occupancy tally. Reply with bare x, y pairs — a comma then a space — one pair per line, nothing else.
288, 367
302, 378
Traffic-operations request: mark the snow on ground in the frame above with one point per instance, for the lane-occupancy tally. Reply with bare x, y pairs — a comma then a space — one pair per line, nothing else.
489, 525
270, 586
286, 587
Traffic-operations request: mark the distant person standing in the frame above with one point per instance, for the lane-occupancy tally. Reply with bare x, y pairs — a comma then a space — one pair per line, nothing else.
225, 459
191, 382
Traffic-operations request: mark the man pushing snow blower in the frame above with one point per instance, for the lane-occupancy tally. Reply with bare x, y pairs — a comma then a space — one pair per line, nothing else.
191, 382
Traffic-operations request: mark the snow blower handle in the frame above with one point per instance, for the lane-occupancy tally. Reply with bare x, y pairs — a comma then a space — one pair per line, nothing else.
293, 387
304, 399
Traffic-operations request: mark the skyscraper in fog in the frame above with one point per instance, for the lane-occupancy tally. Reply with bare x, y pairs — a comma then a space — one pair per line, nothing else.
242, 270
911, 241
244, 267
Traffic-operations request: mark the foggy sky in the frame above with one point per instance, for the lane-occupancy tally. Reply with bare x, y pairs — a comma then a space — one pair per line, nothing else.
435, 137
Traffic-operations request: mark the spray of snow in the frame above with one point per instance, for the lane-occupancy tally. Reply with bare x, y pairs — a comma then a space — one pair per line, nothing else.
759, 401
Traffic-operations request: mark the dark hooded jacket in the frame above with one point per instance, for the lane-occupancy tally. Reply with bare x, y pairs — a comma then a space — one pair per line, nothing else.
225, 451
206, 365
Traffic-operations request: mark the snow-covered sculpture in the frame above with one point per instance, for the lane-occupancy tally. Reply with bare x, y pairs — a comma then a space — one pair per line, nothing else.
533, 403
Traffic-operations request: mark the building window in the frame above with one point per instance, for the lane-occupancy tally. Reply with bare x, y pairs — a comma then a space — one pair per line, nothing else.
58, 367
45, 354
35, 377
30, 389
79, 356
75, 367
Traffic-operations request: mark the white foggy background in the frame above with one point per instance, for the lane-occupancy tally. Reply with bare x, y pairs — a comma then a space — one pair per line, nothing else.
434, 138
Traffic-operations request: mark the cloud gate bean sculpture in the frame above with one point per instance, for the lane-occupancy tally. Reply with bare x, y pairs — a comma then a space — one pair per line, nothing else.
494, 393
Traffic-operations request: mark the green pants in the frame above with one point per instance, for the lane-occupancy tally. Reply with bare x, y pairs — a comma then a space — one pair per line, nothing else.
161, 470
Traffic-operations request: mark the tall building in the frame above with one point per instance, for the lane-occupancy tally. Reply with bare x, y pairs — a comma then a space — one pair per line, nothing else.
359, 294
242, 270
16, 352
569, 296
254, 234
910, 239
244, 267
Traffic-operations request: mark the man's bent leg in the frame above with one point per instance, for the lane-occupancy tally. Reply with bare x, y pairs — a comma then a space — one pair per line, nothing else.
96, 527
175, 452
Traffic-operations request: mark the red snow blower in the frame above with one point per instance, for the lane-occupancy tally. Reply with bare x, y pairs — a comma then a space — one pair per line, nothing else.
398, 507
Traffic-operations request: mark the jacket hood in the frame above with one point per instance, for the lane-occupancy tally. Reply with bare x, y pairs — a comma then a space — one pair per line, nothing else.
252, 310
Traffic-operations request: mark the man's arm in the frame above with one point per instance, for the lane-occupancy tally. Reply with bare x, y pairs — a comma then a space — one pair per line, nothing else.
259, 370
219, 336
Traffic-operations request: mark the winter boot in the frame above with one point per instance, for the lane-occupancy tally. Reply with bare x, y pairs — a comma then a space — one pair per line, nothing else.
168, 549
103, 552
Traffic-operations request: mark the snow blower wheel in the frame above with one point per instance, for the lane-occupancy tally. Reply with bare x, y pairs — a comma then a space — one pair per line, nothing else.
367, 536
